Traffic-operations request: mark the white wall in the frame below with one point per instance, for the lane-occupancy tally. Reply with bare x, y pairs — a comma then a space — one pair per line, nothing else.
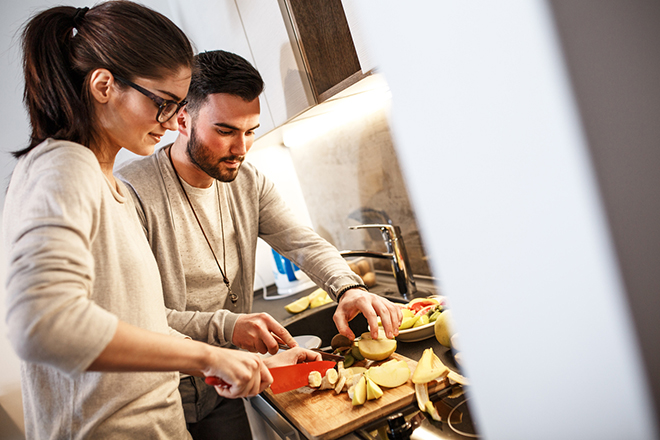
497, 164
15, 136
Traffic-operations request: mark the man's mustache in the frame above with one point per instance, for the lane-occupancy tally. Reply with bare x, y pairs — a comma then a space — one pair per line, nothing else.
232, 158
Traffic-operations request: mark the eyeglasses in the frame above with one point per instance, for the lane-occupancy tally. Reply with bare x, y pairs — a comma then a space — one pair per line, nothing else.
166, 107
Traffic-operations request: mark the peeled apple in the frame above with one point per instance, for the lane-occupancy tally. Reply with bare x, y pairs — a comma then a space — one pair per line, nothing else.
376, 349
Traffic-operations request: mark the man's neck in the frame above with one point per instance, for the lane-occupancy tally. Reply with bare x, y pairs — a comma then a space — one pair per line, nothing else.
186, 169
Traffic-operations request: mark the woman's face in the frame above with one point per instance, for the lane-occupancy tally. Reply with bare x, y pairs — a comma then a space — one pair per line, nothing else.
131, 121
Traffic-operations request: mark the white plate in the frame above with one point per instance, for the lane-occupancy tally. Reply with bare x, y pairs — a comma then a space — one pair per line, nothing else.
418, 333
308, 341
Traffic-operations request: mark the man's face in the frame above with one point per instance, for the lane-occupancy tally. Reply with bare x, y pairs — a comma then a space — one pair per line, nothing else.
221, 135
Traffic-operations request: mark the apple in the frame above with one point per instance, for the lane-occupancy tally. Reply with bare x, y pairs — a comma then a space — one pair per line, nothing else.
298, 305
408, 322
443, 328
422, 320
391, 374
360, 392
373, 390
376, 349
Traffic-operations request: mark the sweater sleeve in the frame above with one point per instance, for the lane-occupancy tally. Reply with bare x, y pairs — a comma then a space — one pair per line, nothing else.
215, 328
320, 260
49, 223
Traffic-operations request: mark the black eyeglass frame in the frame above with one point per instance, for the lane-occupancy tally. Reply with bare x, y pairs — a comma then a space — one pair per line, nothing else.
160, 102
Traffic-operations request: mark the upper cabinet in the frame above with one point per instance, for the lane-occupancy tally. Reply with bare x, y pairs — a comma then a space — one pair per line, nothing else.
302, 48
322, 35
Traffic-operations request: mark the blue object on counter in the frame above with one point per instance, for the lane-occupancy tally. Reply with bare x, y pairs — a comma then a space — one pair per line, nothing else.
285, 266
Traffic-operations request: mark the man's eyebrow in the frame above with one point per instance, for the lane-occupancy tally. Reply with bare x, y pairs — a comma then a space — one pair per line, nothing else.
231, 127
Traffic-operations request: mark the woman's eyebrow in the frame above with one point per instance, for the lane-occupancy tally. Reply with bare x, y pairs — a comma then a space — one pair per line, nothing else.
171, 95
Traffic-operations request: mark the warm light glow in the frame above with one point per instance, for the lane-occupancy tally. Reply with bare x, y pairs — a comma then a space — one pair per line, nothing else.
421, 433
334, 114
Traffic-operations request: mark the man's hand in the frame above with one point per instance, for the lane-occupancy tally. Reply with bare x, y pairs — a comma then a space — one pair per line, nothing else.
291, 357
260, 332
372, 306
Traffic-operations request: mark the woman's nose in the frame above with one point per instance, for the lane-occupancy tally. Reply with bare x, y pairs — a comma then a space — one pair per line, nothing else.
171, 124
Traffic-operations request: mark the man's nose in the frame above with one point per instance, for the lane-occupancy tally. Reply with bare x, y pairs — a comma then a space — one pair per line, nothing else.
240, 147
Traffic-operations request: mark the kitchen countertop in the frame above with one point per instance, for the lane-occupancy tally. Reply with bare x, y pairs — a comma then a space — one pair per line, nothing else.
275, 307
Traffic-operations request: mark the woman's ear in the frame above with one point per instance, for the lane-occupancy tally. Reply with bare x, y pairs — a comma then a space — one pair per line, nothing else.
100, 85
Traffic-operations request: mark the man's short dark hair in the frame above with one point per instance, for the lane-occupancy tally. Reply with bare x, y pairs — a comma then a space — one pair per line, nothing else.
219, 71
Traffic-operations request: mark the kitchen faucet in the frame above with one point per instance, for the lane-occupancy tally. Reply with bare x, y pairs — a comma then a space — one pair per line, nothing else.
396, 253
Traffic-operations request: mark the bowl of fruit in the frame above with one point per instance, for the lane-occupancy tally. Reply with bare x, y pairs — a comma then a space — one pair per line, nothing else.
419, 316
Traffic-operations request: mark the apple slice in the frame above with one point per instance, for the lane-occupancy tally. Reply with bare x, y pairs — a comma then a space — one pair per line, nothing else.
373, 390
407, 322
360, 392
391, 374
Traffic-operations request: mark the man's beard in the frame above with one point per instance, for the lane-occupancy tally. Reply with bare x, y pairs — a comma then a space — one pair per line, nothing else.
199, 155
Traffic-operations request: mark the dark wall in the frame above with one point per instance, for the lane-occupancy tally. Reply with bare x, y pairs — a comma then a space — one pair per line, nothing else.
612, 49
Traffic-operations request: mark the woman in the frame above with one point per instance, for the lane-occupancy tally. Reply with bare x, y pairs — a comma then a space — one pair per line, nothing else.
85, 305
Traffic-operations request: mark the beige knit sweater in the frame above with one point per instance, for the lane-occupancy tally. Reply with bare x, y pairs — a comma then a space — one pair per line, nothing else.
79, 262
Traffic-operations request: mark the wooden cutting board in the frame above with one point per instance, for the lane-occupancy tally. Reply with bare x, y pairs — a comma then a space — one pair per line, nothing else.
326, 415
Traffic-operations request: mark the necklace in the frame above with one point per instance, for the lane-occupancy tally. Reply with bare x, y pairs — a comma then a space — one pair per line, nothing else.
232, 295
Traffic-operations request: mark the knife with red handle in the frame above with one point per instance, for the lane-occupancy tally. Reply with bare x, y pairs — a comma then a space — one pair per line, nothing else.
287, 378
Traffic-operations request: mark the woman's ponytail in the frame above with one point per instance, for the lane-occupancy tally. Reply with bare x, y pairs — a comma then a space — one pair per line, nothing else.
52, 91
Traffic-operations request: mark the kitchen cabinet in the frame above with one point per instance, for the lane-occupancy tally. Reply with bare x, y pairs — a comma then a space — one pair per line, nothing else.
321, 33
303, 49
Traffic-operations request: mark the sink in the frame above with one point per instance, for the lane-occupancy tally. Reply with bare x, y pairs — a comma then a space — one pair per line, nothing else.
318, 322
386, 287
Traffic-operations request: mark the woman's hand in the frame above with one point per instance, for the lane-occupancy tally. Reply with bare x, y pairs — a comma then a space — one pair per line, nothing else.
241, 374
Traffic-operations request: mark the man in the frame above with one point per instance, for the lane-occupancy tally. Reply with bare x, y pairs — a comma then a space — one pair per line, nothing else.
203, 210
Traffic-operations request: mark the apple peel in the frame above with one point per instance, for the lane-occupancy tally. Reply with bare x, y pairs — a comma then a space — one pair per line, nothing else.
429, 368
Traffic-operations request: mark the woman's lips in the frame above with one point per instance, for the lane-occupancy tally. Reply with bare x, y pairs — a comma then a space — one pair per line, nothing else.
157, 137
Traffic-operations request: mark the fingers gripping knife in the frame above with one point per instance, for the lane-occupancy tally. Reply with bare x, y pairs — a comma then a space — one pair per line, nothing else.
285, 378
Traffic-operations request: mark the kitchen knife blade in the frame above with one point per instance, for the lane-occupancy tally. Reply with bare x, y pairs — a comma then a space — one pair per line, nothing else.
291, 377
324, 355
287, 378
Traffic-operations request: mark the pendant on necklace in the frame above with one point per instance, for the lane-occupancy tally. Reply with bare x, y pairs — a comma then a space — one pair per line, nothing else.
232, 296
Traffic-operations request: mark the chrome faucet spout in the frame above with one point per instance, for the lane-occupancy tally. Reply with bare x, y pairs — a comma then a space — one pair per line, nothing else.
396, 252
381, 255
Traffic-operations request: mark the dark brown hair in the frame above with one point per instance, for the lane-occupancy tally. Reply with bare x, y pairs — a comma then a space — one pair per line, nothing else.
63, 45
219, 71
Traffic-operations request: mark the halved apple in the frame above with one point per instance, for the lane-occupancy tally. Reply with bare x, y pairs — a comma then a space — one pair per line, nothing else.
376, 349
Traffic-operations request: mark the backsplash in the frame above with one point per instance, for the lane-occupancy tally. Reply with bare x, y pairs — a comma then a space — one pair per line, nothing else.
349, 174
